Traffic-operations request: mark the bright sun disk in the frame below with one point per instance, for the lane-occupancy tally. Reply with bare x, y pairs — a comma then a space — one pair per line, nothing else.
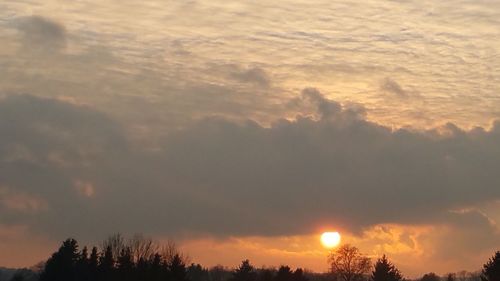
330, 239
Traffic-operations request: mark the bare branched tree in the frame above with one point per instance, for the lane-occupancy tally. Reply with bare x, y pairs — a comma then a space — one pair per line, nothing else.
348, 263
169, 250
142, 247
115, 242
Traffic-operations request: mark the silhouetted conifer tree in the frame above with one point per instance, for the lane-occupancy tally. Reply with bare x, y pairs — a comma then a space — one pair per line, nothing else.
106, 265
195, 272
125, 265
61, 266
245, 272
93, 265
82, 266
158, 269
491, 269
385, 271
177, 269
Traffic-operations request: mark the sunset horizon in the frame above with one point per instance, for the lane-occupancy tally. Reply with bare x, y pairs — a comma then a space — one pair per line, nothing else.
290, 134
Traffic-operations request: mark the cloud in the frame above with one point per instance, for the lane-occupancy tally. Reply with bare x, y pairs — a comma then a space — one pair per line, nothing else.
392, 87
84, 188
348, 166
42, 33
254, 75
20, 202
219, 177
47, 145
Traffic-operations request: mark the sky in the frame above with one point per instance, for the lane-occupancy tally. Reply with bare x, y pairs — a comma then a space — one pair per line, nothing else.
244, 129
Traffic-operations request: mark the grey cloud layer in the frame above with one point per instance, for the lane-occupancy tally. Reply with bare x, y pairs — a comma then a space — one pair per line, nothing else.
224, 178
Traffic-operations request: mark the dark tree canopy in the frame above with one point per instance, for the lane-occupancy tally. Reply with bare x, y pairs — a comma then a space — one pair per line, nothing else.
219, 273
450, 277
384, 270
18, 277
431, 276
298, 275
266, 274
68, 264
177, 269
196, 272
284, 274
491, 269
142, 259
245, 272
61, 266
23, 275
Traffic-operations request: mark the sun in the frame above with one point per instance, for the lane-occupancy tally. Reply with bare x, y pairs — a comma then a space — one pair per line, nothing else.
330, 239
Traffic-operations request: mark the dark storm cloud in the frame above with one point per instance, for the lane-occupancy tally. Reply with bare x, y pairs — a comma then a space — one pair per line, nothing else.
223, 178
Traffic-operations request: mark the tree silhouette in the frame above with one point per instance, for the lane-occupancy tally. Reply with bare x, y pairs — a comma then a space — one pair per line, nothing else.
450, 277
491, 269
61, 266
93, 264
177, 269
266, 274
385, 271
18, 277
125, 265
219, 273
106, 265
24, 275
284, 274
245, 272
196, 272
82, 266
431, 276
116, 243
157, 269
348, 263
142, 247
298, 275
67, 264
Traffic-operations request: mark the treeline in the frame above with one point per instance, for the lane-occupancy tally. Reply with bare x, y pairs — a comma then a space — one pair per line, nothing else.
117, 259
348, 264
142, 259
